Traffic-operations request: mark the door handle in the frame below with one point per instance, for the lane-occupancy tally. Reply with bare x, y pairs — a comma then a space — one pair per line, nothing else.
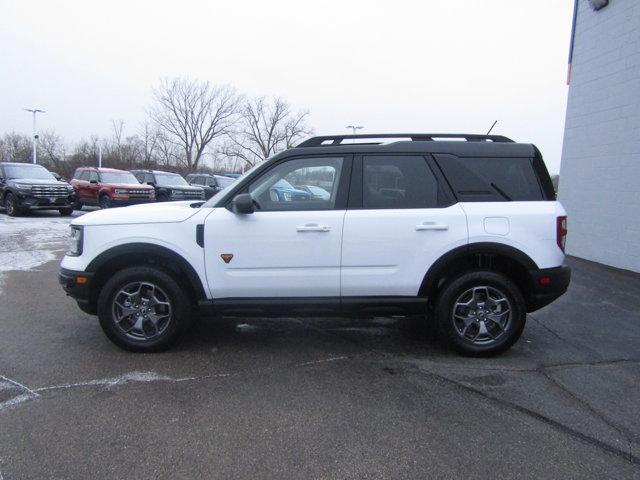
431, 226
313, 227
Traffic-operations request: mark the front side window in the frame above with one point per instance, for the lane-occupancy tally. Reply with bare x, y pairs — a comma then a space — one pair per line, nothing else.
398, 181
94, 176
281, 187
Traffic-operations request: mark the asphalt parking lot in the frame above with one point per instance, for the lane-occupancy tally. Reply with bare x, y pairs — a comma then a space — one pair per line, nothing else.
315, 398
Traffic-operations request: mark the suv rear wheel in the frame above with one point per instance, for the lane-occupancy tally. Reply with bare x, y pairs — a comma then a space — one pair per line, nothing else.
143, 309
481, 313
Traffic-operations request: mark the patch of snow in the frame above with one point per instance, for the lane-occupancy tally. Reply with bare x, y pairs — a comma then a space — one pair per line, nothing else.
131, 377
28, 242
246, 328
15, 401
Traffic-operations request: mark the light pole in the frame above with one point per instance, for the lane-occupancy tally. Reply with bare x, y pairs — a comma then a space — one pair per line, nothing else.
35, 136
354, 128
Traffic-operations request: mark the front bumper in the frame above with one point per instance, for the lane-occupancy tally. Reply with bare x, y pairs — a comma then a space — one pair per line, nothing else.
124, 202
30, 202
77, 285
547, 284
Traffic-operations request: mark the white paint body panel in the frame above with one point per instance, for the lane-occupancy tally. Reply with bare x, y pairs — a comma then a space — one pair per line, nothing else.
178, 237
359, 253
532, 228
384, 253
271, 258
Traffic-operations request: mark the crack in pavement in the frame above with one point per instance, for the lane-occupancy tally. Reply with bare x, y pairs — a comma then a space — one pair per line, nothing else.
626, 455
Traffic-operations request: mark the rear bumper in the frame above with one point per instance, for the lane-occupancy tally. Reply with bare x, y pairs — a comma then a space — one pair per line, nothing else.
547, 284
77, 285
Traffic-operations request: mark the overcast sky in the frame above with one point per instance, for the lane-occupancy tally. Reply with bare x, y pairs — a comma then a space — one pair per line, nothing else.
393, 66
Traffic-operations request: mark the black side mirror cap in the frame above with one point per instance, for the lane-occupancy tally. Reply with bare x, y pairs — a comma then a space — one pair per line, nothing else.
242, 204
93, 181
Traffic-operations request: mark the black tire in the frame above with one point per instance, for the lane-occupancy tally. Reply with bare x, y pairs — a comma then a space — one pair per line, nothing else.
162, 198
11, 205
65, 212
449, 328
78, 206
104, 201
179, 319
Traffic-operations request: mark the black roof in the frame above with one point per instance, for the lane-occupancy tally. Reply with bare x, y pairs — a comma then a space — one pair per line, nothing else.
466, 145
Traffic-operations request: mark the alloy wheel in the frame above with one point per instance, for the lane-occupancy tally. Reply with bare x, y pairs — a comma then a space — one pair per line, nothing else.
482, 314
141, 310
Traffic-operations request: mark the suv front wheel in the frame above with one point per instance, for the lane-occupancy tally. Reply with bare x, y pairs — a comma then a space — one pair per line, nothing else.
481, 313
12, 206
143, 309
104, 201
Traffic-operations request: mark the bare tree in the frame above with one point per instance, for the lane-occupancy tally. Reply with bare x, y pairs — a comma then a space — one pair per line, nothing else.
15, 147
266, 128
191, 114
118, 136
150, 138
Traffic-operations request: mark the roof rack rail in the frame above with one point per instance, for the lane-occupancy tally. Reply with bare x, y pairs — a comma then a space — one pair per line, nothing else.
333, 140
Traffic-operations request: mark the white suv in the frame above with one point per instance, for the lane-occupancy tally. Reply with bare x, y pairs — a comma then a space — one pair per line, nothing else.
467, 232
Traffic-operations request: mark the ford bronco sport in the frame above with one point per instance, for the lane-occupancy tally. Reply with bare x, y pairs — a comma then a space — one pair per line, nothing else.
466, 232
108, 187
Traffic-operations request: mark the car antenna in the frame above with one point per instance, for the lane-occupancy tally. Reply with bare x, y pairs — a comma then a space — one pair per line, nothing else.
493, 125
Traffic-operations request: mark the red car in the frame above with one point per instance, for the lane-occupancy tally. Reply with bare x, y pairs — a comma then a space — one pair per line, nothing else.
108, 187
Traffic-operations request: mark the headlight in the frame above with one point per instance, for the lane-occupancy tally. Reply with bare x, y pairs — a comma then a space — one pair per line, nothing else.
75, 241
69, 188
177, 193
287, 196
23, 187
120, 191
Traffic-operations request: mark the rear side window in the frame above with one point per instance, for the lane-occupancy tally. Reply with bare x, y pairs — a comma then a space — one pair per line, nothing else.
398, 181
491, 179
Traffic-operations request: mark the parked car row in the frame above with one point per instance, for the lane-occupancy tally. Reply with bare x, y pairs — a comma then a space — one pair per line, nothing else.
25, 187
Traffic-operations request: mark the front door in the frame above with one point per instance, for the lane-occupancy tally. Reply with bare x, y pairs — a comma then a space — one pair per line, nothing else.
290, 246
402, 221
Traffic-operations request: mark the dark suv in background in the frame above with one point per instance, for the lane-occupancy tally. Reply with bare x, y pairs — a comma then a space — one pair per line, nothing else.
24, 187
211, 184
169, 186
108, 187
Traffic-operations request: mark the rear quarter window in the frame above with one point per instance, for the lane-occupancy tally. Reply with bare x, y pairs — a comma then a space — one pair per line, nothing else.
490, 179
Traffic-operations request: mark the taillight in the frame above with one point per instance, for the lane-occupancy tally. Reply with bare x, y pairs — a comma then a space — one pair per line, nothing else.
561, 231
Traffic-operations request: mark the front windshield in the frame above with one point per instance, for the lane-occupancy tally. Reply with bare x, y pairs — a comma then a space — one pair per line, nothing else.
169, 179
213, 200
118, 177
35, 172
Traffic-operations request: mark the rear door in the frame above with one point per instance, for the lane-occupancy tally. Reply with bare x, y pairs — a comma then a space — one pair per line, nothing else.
288, 247
401, 218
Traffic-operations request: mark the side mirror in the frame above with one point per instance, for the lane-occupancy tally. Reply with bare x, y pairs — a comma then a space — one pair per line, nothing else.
93, 181
242, 203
